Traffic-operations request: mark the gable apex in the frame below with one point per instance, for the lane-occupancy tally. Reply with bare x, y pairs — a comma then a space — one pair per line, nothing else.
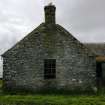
50, 29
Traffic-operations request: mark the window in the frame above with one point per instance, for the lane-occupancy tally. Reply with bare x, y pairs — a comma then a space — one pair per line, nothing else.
49, 68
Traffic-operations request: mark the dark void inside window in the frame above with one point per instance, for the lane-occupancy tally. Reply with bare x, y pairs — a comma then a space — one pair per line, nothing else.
99, 69
49, 68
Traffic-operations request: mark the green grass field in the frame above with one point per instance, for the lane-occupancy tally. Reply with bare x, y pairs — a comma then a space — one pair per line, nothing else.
51, 99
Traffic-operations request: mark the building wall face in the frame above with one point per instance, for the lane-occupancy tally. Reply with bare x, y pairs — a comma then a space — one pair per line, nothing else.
24, 67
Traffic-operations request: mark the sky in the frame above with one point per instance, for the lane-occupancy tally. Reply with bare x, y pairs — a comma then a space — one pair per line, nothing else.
85, 19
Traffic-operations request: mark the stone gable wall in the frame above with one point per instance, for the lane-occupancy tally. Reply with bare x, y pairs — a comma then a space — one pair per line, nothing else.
24, 67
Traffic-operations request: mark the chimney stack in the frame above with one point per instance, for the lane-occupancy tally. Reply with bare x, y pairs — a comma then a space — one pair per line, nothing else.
50, 14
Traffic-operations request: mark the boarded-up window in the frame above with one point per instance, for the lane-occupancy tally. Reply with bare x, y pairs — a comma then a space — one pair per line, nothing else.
49, 68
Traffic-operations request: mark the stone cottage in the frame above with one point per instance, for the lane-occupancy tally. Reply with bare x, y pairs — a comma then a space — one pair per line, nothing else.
49, 58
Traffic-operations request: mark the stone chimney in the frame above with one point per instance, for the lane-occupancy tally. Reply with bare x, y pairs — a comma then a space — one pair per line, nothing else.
50, 14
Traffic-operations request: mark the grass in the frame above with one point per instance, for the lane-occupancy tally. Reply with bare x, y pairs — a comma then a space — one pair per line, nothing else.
51, 99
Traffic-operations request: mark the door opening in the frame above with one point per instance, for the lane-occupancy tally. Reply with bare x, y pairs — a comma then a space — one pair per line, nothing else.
99, 75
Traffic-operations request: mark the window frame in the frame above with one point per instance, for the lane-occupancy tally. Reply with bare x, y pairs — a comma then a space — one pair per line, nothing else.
49, 68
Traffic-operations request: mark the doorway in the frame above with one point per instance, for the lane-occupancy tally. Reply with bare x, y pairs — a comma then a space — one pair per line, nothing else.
99, 74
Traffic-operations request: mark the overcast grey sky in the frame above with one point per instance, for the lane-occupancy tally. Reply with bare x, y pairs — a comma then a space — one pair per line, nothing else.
85, 19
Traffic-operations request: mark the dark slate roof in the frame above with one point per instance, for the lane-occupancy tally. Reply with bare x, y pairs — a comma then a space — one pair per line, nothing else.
97, 48
48, 29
